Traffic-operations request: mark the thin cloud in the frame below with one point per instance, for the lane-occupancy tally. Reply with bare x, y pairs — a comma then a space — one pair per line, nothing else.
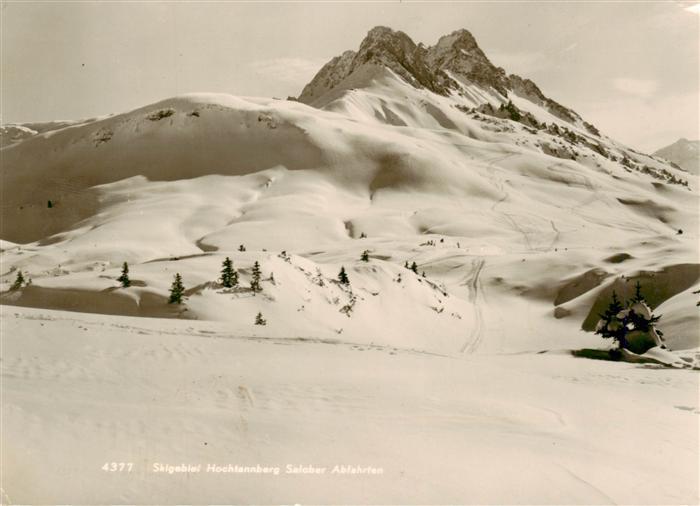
645, 124
519, 62
292, 71
642, 88
568, 48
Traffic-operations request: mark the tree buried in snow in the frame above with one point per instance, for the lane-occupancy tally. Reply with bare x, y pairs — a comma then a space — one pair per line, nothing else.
632, 326
177, 290
259, 320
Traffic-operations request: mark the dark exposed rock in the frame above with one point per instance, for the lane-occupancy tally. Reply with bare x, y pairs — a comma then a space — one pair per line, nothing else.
455, 60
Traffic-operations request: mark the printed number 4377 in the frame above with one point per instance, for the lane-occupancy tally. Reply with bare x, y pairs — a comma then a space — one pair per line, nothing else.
118, 467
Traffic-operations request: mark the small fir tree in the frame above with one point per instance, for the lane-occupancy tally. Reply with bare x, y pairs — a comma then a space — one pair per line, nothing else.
241, 248
255, 282
638, 297
343, 276
19, 281
124, 278
177, 290
610, 325
229, 276
414, 267
405, 265
259, 320
365, 256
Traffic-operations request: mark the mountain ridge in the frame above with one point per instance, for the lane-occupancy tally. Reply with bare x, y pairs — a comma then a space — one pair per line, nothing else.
455, 60
683, 153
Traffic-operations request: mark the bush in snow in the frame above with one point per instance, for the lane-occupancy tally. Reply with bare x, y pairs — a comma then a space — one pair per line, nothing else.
259, 320
160, 114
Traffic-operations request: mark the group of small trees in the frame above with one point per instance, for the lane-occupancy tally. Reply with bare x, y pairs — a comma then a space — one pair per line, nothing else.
229, 279
619, 320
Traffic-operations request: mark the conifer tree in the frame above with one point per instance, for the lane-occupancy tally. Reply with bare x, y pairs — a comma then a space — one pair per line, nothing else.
405, 265
610, 325
414, 267
616, 322
229, 276
638, 297
241, 248
365, 256
255, 282
124, 278
343, 276
177, 290
259, 320
19, 281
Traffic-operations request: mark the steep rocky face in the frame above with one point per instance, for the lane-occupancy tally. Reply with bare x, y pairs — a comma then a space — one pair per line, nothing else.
382, 47
460, 55
529, 90
455, 57
399, 53
328, 77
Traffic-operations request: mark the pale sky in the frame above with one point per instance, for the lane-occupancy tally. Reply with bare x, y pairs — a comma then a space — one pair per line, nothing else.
629, 68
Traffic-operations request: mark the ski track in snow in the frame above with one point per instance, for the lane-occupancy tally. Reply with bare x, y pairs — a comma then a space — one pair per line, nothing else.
475, 298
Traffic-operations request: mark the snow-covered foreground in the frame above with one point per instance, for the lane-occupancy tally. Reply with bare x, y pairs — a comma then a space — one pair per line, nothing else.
81, 390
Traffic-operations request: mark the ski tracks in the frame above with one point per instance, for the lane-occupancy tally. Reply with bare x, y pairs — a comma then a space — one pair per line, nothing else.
473, 283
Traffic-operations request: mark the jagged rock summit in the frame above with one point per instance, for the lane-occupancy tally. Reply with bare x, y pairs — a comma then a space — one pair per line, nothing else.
450, 67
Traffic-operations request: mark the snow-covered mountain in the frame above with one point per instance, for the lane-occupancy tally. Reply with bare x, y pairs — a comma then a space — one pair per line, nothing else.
451, 67
434, 154
684, 153
483, 227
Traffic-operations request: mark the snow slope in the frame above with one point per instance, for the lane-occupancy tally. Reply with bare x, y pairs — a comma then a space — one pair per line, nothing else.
520, 230
281, 176
82, 390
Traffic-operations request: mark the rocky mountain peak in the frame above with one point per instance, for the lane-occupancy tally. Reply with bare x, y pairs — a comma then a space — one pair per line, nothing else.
459, 39
456, 60
459, 55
